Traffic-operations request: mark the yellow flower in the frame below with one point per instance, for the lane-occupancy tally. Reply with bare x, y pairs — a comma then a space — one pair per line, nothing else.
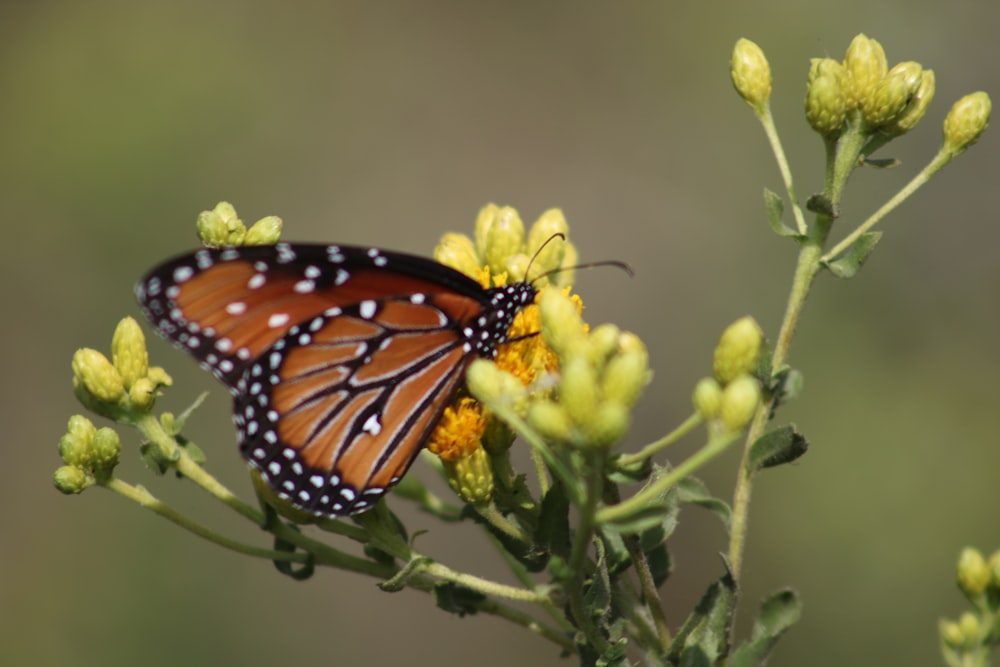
459, 433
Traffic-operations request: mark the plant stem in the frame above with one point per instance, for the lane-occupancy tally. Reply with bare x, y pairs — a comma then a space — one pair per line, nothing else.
767, 122
578, 552
649, 450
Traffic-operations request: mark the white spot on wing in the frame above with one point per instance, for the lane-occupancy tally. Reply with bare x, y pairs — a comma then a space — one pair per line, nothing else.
277, 320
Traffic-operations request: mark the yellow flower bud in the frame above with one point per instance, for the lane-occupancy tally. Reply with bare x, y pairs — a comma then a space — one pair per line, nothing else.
458, 252
221, 226
70, 479
751, 74
951, 634
128, 351
551, 420
891, 94
968, 118
74, 446
142, 394
493, 386
105, 452
826, 103
562, 326
567, 270
471, 477
516, 265
865, 66
549, 257
606, 425
916, 107
484, 222
626, 375
266, 231
738, 351
973, 573
969, 624
94, 374
504, 236
159, 377
578, 391
707, 397
603, 342
738, 403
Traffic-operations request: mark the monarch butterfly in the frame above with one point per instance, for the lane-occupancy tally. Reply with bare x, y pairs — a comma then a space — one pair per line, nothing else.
340, 359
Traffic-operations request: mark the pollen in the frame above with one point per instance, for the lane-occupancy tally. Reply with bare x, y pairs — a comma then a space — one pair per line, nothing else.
460, 431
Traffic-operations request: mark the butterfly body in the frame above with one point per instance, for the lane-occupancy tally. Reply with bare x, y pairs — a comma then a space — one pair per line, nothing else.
340, 359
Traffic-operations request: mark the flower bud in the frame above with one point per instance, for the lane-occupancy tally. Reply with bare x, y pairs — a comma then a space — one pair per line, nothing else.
603, 342
220, 226
826, 104
973, 573
738, 403
471, 477
551, 420
550, 251
994, 563
738, 351
707, 397
891, 94
626, 375
142, 395
458, 252
578, 389
504, 236
567, 270
70, 479
128, 351
94, 374
865, 66
266, 231
516, 266
74, 446
968, 118
606, 425
105, 452
970, 627
493, 386
916, 107
951, 634
159, 377
562, 326
751, 74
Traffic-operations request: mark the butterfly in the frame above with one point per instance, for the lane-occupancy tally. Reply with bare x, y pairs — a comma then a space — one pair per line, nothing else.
340, 359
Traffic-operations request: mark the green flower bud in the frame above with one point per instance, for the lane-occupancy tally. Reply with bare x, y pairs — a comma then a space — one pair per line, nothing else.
826, 103
551, 420
738, 403
707, 398
96, 376
458, 252
892, 94
471, 477
266, 231
70, 479
603, 342
105, 452
484, 222
159, 377
751, 74
968, 118
74, 446
578, 389
169, 423
973, 573
551, 251
970, 627
221, 226
562, 326
128, 351
493, 386
951, 634
606, 425
864, 67
738, 351
916, 107
626, 375
504, 237
567, 270
142, 395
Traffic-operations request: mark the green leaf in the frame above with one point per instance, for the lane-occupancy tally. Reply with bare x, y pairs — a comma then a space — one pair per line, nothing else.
692, 490
775, 208
703, 640
852, 261
882, 163
774, 448
777, 613
399, 580
553, 534
660, 514
786, 386
531, 556
597, 589
457, 599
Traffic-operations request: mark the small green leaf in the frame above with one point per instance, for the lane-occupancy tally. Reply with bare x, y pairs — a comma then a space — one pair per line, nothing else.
822, 205
531, 556
852, 261
659, 514
777, 613
457, 599
703, 640
882, 163
597, 589
775, 208
553, 523
692, 490
774, 448
786, 386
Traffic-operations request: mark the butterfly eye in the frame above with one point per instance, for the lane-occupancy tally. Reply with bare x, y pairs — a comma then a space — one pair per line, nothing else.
340, 359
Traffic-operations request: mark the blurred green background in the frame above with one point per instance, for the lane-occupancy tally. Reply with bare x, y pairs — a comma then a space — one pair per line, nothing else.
390, 123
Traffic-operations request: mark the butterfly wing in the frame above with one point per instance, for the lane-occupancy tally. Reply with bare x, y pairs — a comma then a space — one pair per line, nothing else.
340, 359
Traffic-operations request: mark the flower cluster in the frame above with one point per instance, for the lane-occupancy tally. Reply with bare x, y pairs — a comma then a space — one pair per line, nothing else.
975, 632
222, 227
728, 399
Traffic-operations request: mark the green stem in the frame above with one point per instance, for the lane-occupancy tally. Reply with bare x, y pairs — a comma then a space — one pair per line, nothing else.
651, 492
489, 511
145, 499
484, 586
649, 450
767, 122
935, 165
578, 551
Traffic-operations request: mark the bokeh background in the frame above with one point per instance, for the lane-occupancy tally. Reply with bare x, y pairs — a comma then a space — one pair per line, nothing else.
390, 123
